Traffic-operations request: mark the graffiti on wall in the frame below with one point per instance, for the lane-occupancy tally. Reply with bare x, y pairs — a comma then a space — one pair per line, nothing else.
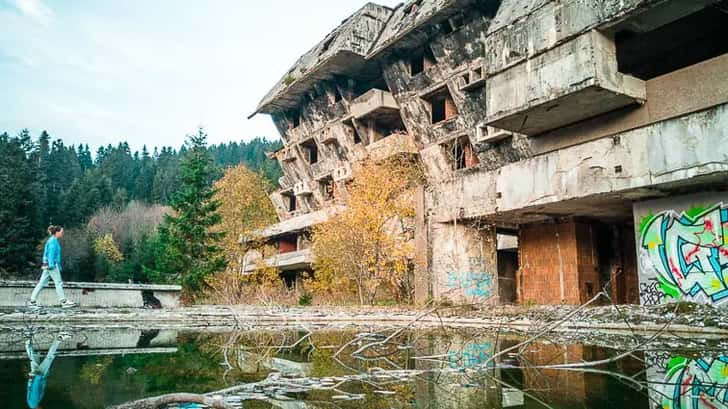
688, 254
694, 383
473, 355
473, 283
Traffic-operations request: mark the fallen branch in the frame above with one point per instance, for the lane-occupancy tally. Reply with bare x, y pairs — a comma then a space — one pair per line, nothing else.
157, 401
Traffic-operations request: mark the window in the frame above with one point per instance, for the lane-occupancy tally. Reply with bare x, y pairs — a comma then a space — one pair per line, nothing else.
295, 120
357, 138
328, 188
463, 154
442, 106
421, 60
310, 151
672, 46
287, 244
291, 202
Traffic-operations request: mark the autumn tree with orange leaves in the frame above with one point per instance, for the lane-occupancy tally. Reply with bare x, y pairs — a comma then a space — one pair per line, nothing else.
367, 248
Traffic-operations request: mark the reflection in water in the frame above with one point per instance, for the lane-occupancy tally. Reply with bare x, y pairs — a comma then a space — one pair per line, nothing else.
682, 382
351, 368
39, 371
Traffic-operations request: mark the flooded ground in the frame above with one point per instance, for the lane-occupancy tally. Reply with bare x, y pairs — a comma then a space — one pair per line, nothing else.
359, 367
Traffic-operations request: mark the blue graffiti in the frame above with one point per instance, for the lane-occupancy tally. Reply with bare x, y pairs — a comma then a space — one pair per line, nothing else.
473, 283
472, 356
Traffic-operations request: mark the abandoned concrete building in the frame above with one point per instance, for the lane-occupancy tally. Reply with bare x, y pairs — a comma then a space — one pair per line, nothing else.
569, 145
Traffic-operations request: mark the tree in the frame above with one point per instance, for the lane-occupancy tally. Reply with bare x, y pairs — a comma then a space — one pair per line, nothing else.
17, 205
190, 248
244, 208
367, 247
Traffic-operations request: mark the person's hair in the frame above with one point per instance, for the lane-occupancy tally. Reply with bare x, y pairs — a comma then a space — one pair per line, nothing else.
54, 229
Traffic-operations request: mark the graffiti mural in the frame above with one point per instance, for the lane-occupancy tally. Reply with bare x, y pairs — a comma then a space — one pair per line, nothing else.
472, 356
685, 383
473, 283
688, 255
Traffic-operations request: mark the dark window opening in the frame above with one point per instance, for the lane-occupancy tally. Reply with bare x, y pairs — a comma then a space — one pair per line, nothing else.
507, 245
679, 44
337, 95
287, 244
442, 106
310, 151
357, 138
295, 120
292, 205
463, 154
384, 125
421, 61
328, 188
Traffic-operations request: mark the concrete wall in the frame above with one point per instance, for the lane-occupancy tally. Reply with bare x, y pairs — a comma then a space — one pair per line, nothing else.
668, 152
92, 295
464, 263
682, 249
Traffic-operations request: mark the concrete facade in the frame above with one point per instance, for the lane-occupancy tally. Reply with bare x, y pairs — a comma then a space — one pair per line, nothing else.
543, 120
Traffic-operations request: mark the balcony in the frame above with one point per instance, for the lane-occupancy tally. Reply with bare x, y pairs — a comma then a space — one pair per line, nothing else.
322, 169
373, 102
287, 155
332, 132
394, 144
295, 260
342, 172
301, 189
285, 182
572, 82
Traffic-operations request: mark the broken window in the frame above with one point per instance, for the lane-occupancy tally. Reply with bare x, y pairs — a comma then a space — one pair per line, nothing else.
442, 106
288, 243
463, 154
294, 120
310, 151
421, 60
291, 200
678, 44
328, 188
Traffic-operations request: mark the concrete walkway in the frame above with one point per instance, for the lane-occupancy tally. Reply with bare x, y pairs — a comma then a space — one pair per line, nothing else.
226, 318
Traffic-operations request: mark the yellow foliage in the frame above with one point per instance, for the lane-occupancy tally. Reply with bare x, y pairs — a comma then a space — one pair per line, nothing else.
106, 247
245, 207
366, 249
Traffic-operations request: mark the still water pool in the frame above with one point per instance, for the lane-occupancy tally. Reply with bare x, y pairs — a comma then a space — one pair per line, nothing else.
355, 367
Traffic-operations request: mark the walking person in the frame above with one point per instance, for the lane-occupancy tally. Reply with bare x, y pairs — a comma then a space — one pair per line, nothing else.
51, 269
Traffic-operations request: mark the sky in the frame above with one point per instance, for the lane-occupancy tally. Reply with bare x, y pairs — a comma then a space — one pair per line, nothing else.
150, 72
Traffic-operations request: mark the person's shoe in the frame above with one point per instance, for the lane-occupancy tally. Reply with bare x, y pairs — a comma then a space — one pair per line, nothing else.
33, 305
62, 336
68, 304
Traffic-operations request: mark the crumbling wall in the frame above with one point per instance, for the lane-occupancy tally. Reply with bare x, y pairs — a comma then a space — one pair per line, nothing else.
464, 263
682, 249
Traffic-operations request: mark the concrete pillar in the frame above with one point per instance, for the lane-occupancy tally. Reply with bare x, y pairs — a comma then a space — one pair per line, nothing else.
464, 263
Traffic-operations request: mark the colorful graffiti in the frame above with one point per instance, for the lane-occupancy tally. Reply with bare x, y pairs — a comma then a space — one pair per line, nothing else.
689, 254
472, 356
696, 383
473, 283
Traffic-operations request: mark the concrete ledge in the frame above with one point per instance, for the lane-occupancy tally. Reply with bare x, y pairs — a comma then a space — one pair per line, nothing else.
94, 295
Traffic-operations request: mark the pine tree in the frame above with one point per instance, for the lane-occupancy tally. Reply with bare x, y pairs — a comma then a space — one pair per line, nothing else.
190, 250
17, 205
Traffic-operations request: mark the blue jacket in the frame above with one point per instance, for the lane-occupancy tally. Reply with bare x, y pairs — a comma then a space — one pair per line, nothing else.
52, 253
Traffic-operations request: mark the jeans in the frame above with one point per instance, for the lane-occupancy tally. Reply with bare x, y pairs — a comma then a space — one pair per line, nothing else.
45, 366
51, 273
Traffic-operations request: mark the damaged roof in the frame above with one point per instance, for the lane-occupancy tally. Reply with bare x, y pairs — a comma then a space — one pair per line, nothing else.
370, 31
339, 52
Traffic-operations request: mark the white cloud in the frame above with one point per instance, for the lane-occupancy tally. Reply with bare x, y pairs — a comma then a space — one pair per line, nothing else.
35, 9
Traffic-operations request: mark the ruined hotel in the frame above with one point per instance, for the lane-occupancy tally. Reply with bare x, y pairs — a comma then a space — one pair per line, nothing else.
568, 145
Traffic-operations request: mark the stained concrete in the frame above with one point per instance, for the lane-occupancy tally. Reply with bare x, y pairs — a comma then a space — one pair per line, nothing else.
94, 295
